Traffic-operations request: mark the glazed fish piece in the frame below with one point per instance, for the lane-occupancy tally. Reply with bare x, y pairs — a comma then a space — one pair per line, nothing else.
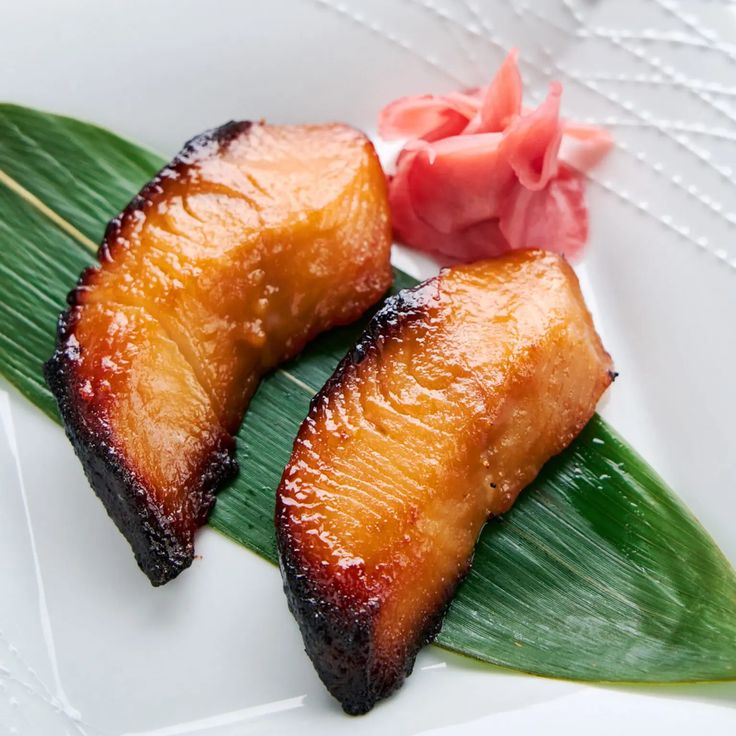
252, 241
455, 396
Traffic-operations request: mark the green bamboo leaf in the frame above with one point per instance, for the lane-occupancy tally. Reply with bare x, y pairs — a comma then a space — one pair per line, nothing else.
82, 172
39, 263
598, 573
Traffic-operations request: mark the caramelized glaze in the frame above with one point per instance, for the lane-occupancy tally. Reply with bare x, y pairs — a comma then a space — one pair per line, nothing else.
251, 242
449, 405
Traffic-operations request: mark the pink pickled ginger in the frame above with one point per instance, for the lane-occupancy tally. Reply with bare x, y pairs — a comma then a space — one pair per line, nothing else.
480, 175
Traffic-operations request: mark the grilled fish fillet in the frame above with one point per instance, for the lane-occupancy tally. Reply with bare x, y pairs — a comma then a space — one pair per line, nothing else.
251, 242
455, 396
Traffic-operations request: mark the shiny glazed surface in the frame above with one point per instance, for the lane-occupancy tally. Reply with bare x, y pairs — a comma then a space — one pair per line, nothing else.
452, 401
255, 239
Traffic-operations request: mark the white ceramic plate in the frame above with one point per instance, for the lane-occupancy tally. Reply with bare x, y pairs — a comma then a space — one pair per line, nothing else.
86, 645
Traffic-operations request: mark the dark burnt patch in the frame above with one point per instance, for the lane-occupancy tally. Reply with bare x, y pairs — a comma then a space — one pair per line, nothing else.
337, 635
163, 545
338, 631
337, 627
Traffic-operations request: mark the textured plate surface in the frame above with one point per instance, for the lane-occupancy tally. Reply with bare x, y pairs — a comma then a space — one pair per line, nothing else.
86, 646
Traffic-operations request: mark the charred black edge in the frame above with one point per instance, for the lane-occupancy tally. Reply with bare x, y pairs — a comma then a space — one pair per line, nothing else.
396, 313
338, 638
339, 643
160, 552
194, 150
161, 548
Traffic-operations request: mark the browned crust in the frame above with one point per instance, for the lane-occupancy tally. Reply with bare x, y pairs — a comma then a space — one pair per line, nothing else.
339, 637
194, 150
163, 546
337, 626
